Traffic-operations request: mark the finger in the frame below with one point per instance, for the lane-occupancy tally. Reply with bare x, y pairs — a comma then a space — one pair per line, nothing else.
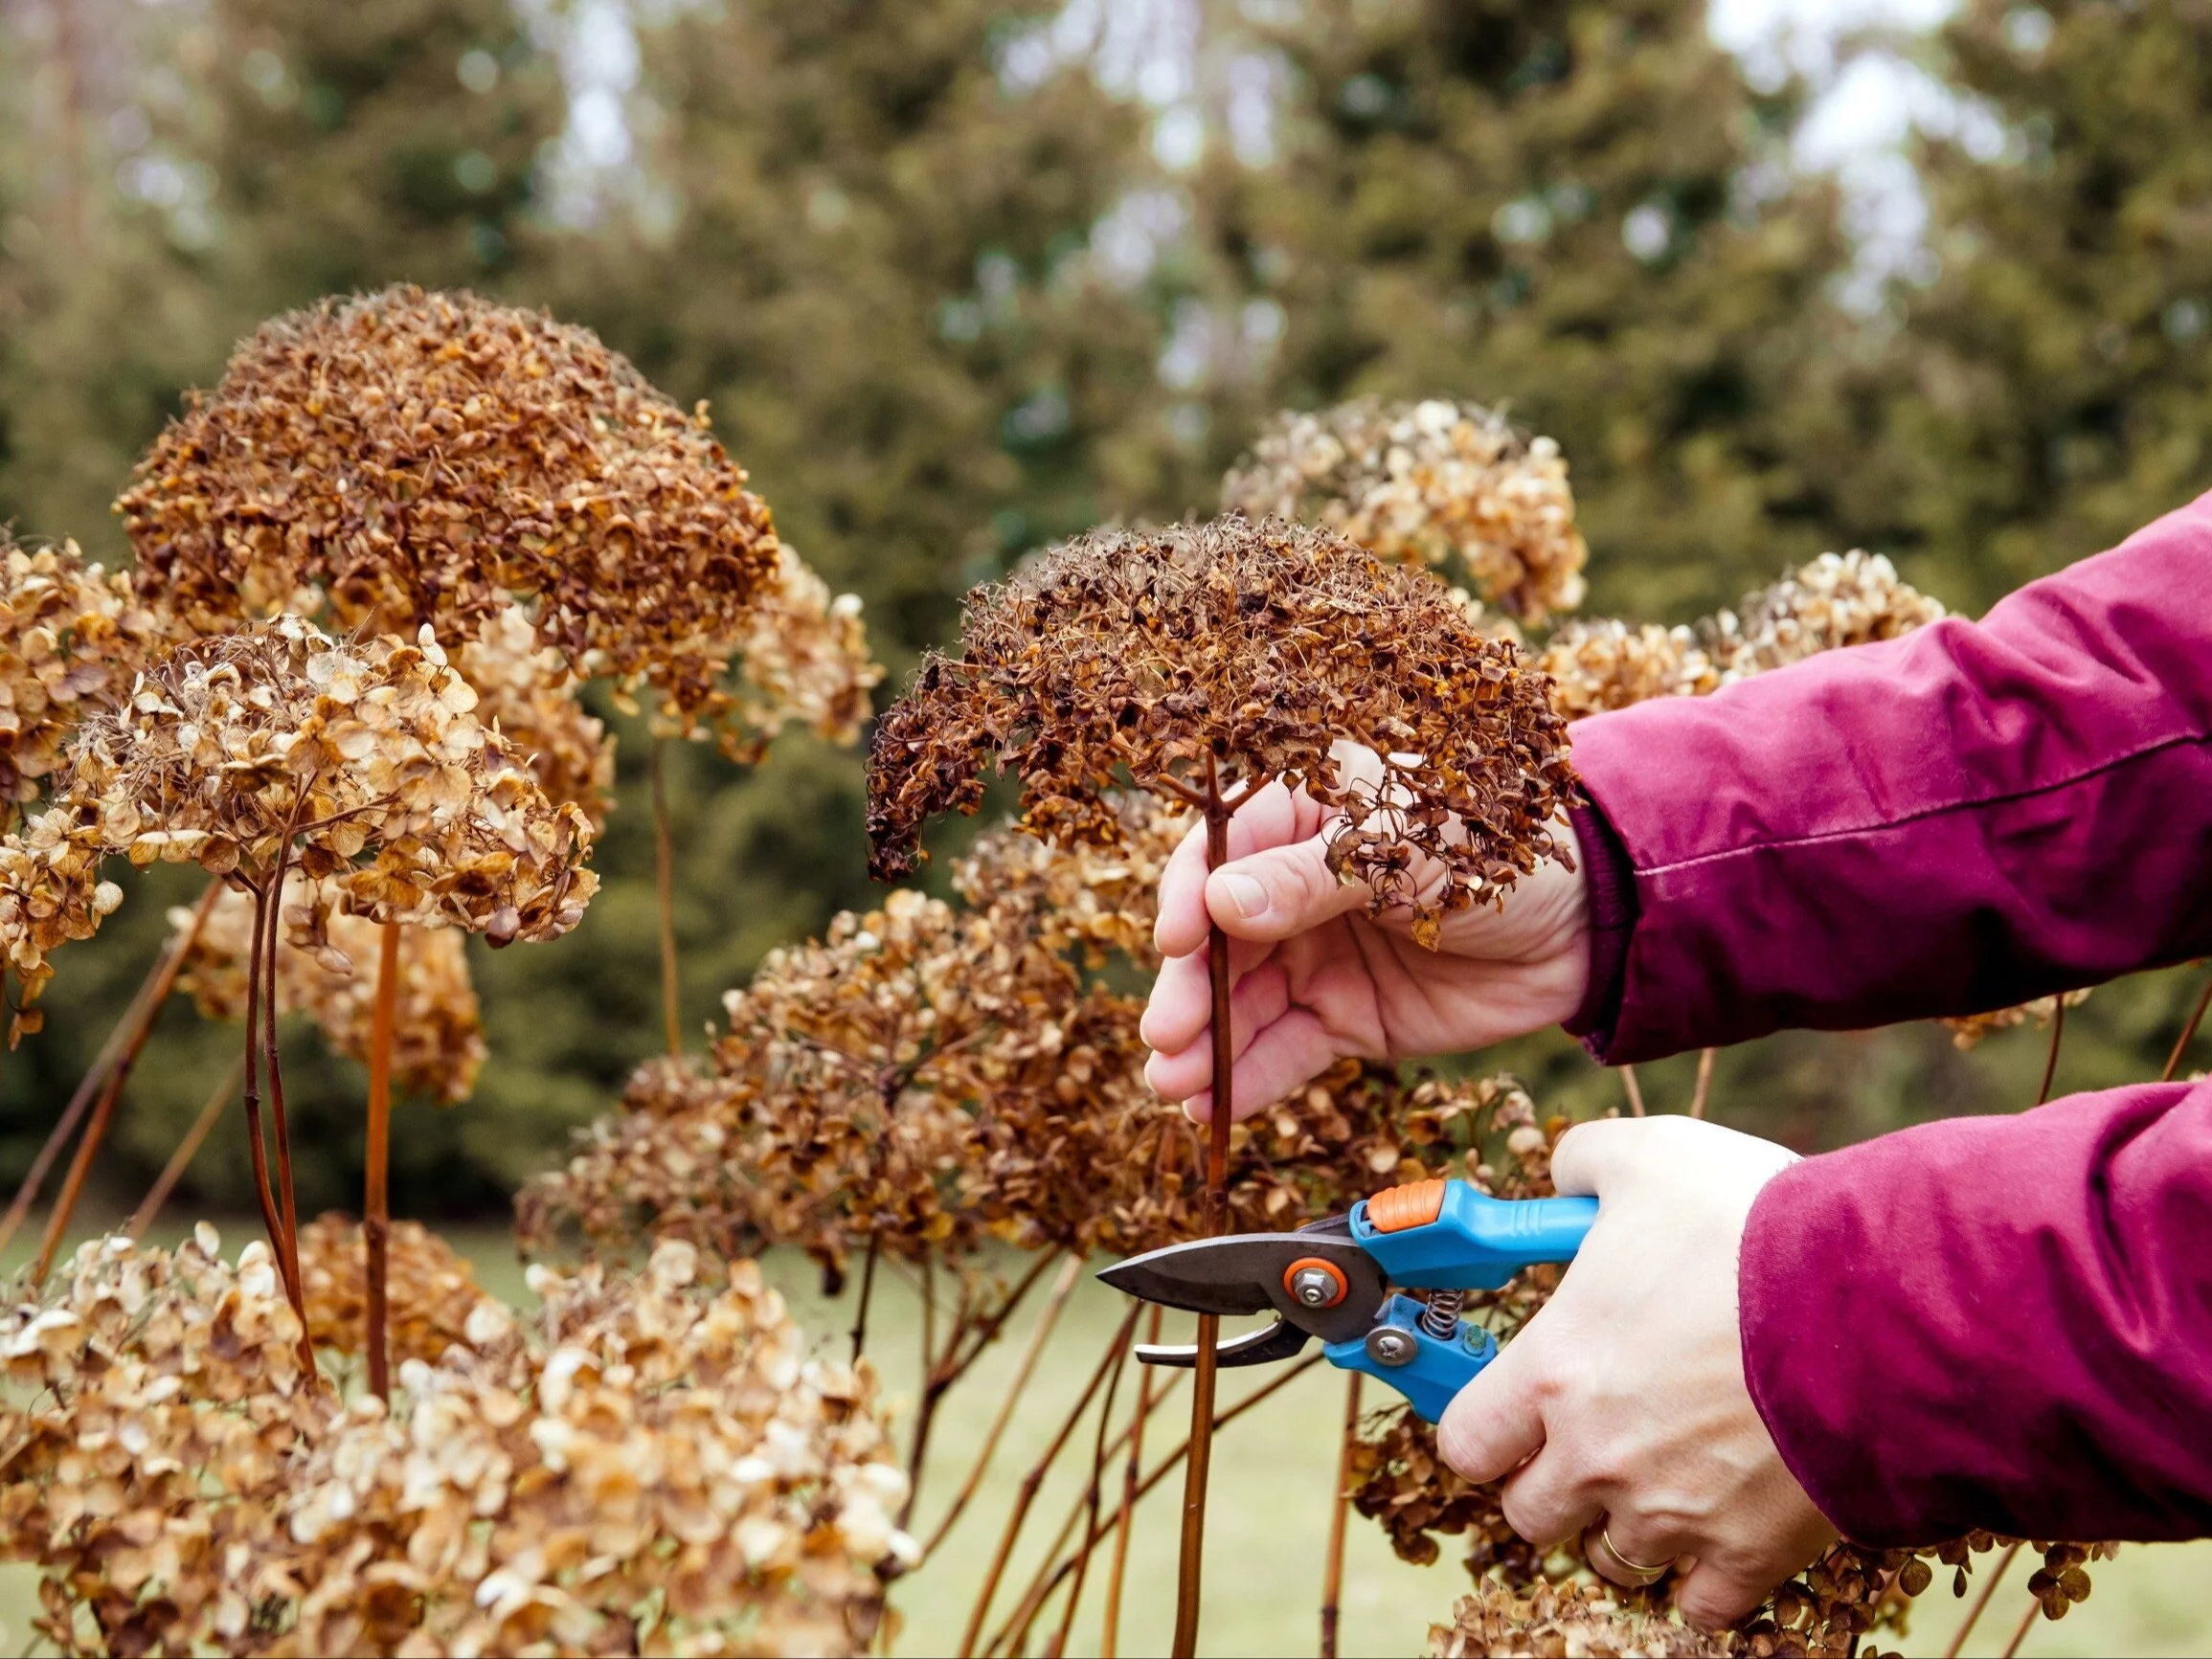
1625, 1549
1493, 1424
1289, 1054
1548, 1500
1261, 1000
1272, 817
1280, 891
1181, 1005
1713, 1596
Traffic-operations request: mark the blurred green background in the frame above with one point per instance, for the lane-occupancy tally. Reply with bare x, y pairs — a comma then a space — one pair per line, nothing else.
959, 277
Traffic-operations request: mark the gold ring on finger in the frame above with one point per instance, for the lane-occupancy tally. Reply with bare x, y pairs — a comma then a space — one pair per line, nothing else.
1636, 1570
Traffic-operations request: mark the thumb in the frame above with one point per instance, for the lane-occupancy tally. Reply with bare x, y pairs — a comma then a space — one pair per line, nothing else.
1279, 892
1595, 1154
1493, 1425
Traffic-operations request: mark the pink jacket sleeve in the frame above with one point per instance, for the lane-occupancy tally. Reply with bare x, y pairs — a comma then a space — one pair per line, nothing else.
1996, 1322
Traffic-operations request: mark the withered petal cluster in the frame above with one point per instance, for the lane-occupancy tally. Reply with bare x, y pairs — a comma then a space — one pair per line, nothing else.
1097, 901
803, 661
1449, 486
71, 636
438, 1034
1240, 652
432, 1291
1967, 1030
529, 694
1834, 602
1563, 1622
648, 1464
412, 458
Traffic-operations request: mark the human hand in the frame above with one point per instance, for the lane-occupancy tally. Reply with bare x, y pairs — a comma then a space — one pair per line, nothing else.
1620, 1411
1314, 979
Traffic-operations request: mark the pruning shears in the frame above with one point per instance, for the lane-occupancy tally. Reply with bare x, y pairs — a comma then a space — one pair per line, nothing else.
1342, 1280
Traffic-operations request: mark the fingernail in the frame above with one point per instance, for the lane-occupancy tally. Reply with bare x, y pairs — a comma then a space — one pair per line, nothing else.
1247, 895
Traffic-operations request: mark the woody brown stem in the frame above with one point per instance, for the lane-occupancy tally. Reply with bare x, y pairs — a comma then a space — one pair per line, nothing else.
1635, 1091
180, 1160
866, 1296
1980, 1602
2181, 1042
2027, 1622
1091, 1492
665, 879
111, 1091
2058, 1032
1062, 1287
1190, 1559
376, 1193
1111, 1631
1704, 1082
129, 1033
1333, 1574
276, 1082
1051, 1578
1027, 1496
258, 1146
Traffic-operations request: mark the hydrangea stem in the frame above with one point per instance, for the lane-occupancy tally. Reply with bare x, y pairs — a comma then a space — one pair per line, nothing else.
665, 879
2188, 1031
256, 1142
1973, 1613
290, 1250
1090, 1494
130, 1034
1333, 1572
377, 1195
1110, 1633
2058, 1034
1705, 1084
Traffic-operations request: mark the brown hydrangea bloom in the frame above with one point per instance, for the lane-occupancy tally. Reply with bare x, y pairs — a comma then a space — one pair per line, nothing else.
1232, 653
648, 1464
415, 459
528, 693
1581, 1619
70, 635
1838, 599
1438, 484
1100, 902
1602, 665
434, 1293
1969, 1029
438, 1037
803, 661
50, 894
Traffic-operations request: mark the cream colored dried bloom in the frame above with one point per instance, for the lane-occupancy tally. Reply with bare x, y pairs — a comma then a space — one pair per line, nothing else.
50, 893
1428, 483
433, 1293
1969, 1029
1602, 665
438, 1034
803, 661
1836, 601
1562, 1622
70, 635
648, 1464
1103, 900
527, 692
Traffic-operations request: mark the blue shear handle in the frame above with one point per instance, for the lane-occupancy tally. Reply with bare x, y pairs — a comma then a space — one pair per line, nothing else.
1438, 1369
1476, 1241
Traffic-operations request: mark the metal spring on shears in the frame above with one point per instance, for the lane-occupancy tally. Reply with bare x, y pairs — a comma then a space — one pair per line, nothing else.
1440, 1318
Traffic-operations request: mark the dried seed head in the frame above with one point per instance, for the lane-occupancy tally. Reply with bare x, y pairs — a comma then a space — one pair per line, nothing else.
410, 458
1245, 652
329, 972
1449, 486
1585, 1620
648, 1462
70, 635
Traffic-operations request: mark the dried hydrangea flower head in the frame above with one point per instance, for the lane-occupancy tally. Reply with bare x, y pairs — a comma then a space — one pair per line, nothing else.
70, 635
438, 1045
1439, 484
50, 894
1969, 1029
649, 1462
1100, 902
1601, 664
528, 693
1585, 1621
803, 661
1836, 601
410, 458
1228, 655
364, 757
434, 1293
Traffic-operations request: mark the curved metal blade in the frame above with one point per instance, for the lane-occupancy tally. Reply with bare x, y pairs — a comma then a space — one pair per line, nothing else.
1277, 1341
1244, 1273
1198, 1276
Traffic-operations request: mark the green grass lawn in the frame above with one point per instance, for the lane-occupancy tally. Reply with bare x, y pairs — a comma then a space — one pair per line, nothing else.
1268, 1521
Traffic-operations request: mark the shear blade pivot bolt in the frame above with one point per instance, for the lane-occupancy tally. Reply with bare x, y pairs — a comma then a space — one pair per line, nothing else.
1388, 1345
1314, 1288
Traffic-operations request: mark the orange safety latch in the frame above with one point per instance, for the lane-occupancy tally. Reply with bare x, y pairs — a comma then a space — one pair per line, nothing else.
1415, 1205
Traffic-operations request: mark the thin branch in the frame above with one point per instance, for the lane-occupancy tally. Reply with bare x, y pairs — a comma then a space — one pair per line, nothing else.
376, 1192
866, 1295
1704, 1082
276, 1083
137, 1018
1062, 1287
1635, 1091
256, 1143
181, 1159
2058, 1033
1111, 1633
1988, 1589
1091, 1493
1333, 1572
1031, 1481
2027, 1622
2181, 1042
72, 1183
664, 881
